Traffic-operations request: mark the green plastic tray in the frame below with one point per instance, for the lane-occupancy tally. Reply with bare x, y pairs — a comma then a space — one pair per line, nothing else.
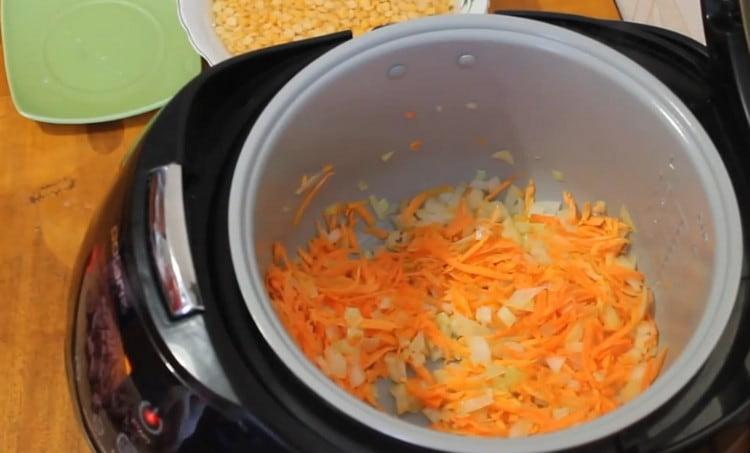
88, 61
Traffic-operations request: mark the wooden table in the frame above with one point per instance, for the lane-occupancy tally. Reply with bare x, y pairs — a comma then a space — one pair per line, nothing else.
51, 179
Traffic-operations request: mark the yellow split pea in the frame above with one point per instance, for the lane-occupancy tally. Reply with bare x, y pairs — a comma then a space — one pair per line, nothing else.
245, 25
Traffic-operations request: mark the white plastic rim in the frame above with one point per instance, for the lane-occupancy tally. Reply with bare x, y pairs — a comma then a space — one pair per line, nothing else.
196, 18
702, 154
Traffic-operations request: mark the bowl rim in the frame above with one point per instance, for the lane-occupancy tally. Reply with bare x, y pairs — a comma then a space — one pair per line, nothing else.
209, 46
699, 149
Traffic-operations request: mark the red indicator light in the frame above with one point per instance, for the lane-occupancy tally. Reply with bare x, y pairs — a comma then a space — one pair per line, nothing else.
151, 418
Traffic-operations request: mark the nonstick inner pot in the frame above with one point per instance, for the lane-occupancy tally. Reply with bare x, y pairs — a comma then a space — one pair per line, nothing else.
559, 102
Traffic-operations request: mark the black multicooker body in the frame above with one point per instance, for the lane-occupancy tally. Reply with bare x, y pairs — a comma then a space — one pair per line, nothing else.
194, 374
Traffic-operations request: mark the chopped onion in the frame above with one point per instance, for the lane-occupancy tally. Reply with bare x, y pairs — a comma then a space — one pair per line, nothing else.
479, 184
523, 299
492, 210
511, 377
638, 372
514, 200
405, 402
626, 218
444, 323
434, 205
440, 376
475, 199
362, 185
484, 314
505, 156
522, 227
627, 261
352, 316
520, 428
564, 217
634, 284
538, 251
510, 232
555, 363
545, 207
634, 354
385, 303
462, 326
433, 415
344, 347
476, 403
396, 367
336, 363
435, 352
506, 316
386, 156
610, 319
599, 208
380, 206
354, 334
560, 412
493, 370
308, 288
356, 376
394, 239
644, 332
449, 199
633, 386
493, 183
418, 344
480, 349
481, 175
427, 218
558, 175
334, 235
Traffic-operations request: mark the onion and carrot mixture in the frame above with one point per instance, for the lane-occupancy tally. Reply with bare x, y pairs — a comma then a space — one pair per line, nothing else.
491, 318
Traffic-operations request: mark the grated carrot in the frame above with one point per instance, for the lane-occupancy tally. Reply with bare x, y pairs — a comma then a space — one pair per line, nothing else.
502, 186
580, 340
326, 173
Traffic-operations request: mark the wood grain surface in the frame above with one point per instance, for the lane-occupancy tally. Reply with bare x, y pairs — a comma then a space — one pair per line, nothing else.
51, 179
604, 9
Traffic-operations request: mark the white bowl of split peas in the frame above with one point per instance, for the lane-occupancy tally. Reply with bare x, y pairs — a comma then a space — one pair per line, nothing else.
221, 29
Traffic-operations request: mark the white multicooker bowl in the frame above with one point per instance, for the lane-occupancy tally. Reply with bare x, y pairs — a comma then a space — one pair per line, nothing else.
559, 101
